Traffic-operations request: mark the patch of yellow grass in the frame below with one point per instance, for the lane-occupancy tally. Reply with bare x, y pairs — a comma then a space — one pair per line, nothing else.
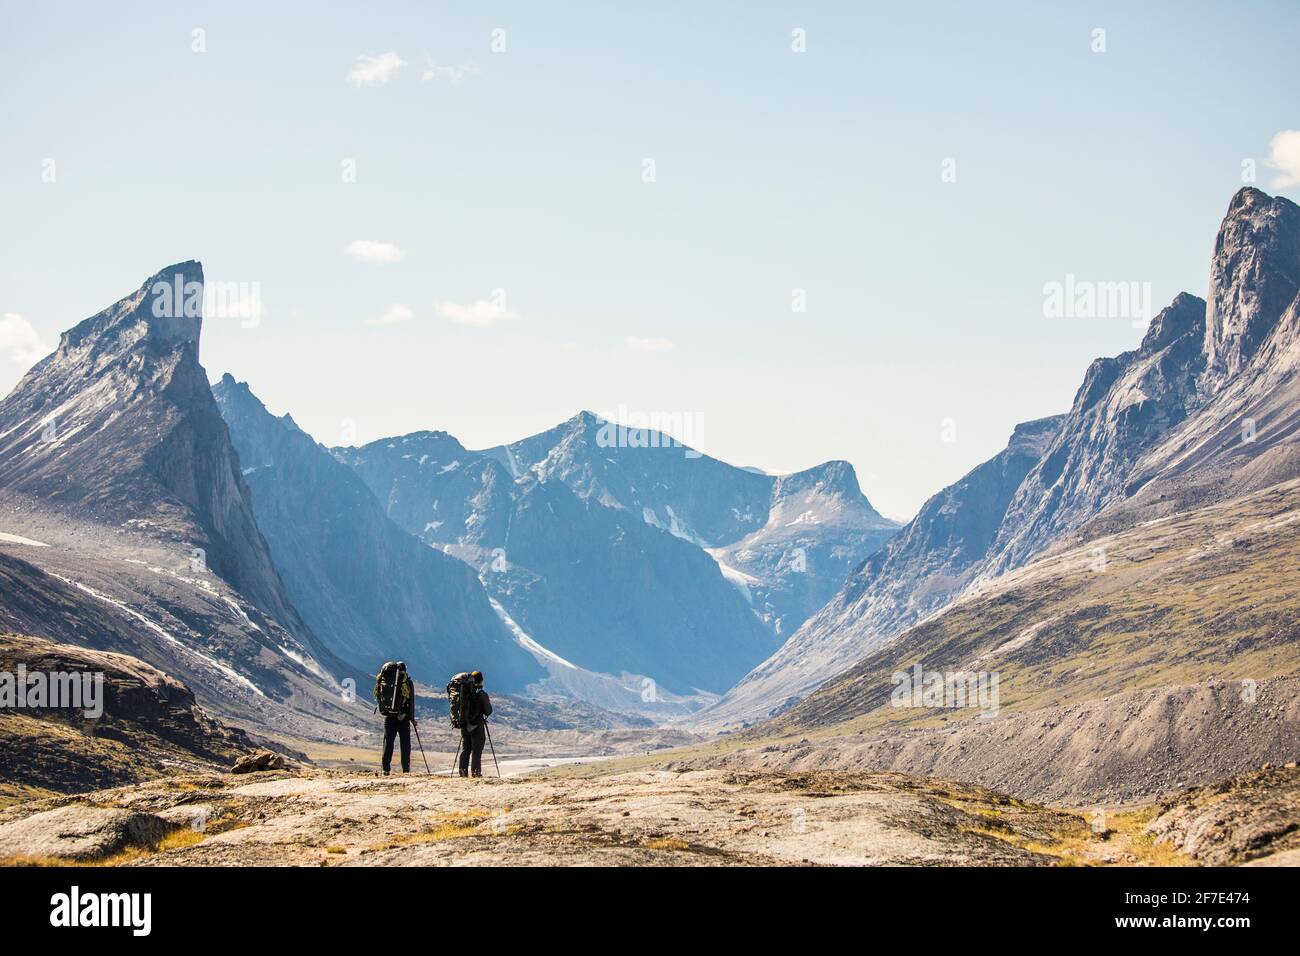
1124, 836
176, 840
15, 793
450, 830
1131, 826
473, 813
667, 843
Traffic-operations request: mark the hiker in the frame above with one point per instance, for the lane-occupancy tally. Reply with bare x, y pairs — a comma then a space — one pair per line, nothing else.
470, 709
395, 699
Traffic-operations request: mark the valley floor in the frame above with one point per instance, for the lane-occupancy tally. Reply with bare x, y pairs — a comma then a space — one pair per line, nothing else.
646, 817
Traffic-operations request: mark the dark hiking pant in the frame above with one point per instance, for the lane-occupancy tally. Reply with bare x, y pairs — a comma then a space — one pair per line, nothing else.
472, 740
393, 726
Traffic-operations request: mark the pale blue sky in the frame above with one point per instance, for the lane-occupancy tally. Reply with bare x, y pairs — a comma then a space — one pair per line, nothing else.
775, 170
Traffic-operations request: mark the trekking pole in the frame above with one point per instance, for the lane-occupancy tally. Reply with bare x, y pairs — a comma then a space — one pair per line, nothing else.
455, 761
421, 744
493, 746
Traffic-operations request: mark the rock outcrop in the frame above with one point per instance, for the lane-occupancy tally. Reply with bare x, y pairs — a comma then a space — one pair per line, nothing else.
148, 723
79, 834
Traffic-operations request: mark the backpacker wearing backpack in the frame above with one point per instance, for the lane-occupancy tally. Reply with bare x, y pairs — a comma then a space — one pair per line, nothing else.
462, 696
392, 695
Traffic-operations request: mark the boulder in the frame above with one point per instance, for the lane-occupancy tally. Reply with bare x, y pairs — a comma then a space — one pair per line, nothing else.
262, 760
79, 832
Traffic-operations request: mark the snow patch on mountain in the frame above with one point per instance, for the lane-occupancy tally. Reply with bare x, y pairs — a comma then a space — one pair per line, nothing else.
162, 632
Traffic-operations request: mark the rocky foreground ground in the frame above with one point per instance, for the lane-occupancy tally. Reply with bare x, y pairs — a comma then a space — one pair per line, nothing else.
649, 817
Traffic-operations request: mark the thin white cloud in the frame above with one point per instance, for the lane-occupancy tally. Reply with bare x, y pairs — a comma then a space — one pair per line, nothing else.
649, 345
1284, 156
370, 250
375, 70
455, 75
396, 313
20, 343
481, 313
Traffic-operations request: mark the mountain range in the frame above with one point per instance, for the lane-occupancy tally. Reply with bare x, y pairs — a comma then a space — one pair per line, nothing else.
639, 560
1203, 412
150, 513
1134, 544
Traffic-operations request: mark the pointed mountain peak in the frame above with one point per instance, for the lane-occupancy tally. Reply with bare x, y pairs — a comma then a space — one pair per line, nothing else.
1254, 277
835, 477
1184, 316
237, 401
166, 310
1248, 198
232, 391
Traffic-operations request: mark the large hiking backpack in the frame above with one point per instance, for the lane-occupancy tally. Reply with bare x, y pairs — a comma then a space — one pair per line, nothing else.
388, 689
462, 696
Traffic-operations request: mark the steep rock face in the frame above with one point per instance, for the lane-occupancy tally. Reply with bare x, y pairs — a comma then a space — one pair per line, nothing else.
596, 587
118, 425
918, 571
615, 595
1125, 405
1246, 436
127, 525
369, 590
1147, 423
1254, 278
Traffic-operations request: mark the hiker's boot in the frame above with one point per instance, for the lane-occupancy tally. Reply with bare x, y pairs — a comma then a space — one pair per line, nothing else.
464, 773
477, 773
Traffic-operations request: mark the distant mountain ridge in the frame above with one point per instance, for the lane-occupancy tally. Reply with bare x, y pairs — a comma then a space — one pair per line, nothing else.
739, 515
595, 586
573, 528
